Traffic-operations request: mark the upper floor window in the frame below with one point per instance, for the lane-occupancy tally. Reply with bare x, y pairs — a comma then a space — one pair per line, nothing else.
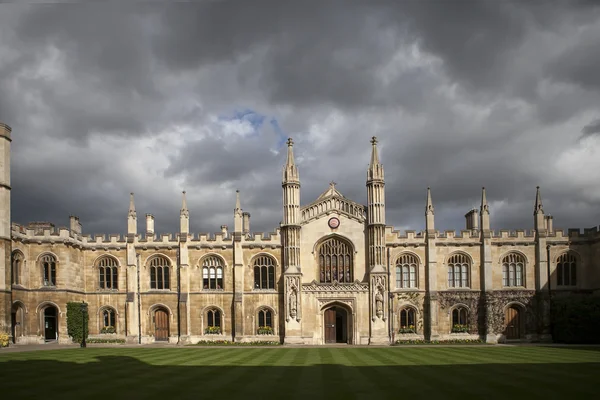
159, 273
335, 261
264, 273
108, 274
458, 271
17, 263
212, 273
566, 270
406, 271
48, 262
513, 267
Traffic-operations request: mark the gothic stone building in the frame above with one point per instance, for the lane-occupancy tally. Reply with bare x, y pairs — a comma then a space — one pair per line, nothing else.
333, 272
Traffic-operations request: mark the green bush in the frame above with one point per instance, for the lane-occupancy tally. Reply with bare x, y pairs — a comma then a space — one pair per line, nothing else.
430, 342
576, 320
75, 322
116, 341
230, 343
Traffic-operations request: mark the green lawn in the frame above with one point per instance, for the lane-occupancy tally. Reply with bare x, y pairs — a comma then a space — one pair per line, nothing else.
302, 373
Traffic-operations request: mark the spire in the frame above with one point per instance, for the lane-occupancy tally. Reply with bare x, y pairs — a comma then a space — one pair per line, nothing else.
484, 203
132, 212
237, 214
290, 171
538, 208
184, 209
375, 168
429, 206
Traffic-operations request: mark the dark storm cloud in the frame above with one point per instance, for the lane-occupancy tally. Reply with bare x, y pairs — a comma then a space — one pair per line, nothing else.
461, 94
592, 128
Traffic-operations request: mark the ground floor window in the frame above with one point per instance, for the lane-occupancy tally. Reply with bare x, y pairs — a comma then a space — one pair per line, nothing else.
213, 322
265, 322
108, 321
407, 320
460, 322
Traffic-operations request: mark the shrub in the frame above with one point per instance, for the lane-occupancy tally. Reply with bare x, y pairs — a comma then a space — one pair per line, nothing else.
4, 339
230, 343
407, 329
108, 329
265, 330
458, 328
434, 342
116, 341
76, 326
212, 330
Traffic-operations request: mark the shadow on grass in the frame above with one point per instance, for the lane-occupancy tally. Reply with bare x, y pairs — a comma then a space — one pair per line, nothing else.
116, 377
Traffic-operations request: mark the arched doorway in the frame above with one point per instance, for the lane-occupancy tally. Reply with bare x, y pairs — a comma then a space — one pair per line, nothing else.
18, 321
50, 323
336, 325
161, 325
513, 323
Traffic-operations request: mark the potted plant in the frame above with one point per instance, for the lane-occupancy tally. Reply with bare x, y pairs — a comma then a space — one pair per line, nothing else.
212, 330
265, 330
407, 329
460, 328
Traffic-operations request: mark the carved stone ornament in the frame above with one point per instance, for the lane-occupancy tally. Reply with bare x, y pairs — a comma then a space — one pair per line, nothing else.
335, 287
293, 298
378, 285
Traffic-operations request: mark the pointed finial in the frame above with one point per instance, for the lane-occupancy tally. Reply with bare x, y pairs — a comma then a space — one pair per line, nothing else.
290, 153
538, 208
484, 203
238, 204
290, 142
332, 185
429, 206
374, 153
132, 212
184, 208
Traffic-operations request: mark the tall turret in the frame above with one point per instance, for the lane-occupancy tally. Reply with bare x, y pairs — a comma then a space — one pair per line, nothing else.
290, 234
5, 236
429, 213
378, 278
484, 214
538, 212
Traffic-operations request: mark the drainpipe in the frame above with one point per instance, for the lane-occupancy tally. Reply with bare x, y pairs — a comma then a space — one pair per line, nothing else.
139, 301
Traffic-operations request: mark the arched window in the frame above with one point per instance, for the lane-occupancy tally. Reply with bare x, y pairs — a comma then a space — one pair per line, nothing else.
49, 268
159, 273
335, 261
406, 271
213, 322
460, 320
566, 270
458, 271
109, 321
108, 274
17, 262
407, 320
212, 273
513, 268
264, 273
265, 322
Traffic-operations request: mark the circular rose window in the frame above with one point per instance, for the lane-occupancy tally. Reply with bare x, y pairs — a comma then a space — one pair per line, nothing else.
334, 223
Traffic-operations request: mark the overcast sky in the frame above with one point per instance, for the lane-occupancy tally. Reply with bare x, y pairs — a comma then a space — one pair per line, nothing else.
108, 98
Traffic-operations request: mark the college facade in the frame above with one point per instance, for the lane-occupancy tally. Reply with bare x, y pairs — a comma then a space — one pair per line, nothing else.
333, 272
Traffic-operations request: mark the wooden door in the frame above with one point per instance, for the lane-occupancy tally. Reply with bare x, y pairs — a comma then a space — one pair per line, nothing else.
50, 325
513, 323
161, 325
330, 325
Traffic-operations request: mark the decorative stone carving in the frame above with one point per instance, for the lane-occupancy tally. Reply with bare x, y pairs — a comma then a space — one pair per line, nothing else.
335, 287
471, 299
497, 301
292, 289
378, 285
415, 300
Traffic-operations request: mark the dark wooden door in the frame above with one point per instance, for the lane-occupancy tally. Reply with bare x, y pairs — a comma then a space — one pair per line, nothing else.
161, 325
330, 325
513, 323
50, 323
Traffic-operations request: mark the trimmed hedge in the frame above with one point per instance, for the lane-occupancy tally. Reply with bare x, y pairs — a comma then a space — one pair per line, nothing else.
434, 342
576, 320
230, 343
75, 322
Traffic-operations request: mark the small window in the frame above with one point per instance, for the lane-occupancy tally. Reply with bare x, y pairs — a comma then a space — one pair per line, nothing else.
513, 270
17, 262
407, 321
566, 270
108, 323
264, 273
213, 322
460, 321
159, 273
49, 270
265, 322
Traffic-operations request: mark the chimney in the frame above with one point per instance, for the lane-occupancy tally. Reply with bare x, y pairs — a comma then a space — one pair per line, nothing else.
550, 224
472, 219
246, 222
149, 225
74, 225
224, 230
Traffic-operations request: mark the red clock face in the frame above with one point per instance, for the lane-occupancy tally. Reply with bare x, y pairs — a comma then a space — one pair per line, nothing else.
334, 223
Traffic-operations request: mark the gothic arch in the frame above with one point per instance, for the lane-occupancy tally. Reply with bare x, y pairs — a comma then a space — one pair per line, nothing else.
336, 303
158, 255
205, 309
156, 306
407, 252
45, 304
18, 251
461, 252
201, 260
324, 238
106, 255
104, 307
19, 303
265, 308
47, 253
512, 251
264, 254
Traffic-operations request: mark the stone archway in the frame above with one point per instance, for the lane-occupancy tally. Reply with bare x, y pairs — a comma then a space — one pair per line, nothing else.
17, 321
50, 323
337, 323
